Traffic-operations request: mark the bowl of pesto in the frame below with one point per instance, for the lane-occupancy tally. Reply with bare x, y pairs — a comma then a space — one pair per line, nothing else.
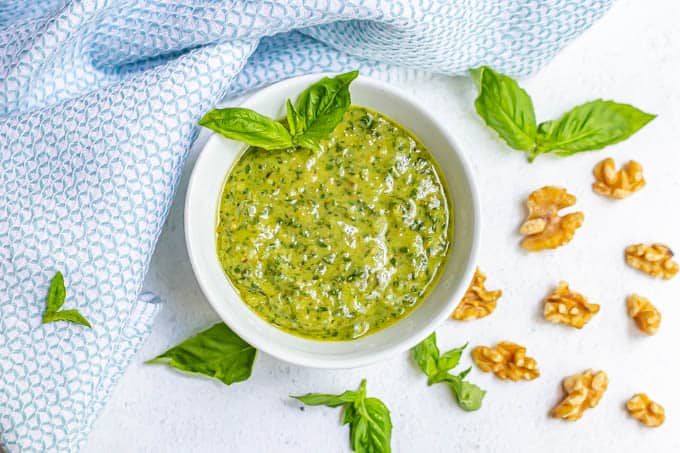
341, 254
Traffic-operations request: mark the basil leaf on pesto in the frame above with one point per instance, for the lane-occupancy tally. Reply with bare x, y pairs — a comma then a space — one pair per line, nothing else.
248, 126
216, 352
56, 297
293, 118
370, 425
437, 366
506, 108
319, 109
590, 126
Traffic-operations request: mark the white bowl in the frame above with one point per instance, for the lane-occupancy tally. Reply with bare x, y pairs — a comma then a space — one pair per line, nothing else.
203, 197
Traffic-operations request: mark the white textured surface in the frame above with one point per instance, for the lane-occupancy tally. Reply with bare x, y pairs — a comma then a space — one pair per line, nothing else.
632, 55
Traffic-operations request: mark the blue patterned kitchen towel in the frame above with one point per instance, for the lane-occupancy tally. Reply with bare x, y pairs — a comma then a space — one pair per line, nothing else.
99, 101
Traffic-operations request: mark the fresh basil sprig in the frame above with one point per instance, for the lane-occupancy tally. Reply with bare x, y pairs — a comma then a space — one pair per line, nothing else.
507, 108
317, 111
216, 352
370, 426
55, 299
436, 367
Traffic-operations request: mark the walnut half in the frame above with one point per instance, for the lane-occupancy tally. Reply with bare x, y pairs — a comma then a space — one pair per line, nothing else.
584, 391
646, 316
646, 411
655, 259
568, 307
507, 361
617, 184
544, 228
477, 301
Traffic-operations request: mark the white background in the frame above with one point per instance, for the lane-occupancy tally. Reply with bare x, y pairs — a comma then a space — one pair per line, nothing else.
632, 55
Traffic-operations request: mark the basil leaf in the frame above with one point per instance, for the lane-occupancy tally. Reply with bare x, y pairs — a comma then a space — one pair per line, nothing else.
506, 108
56, 296
216, 352
320, 108
450, 359
322, 399
426, 355
73, 316
591, 126
248, 126
464, 373
468, 396
293, 118
370, 426
370, 429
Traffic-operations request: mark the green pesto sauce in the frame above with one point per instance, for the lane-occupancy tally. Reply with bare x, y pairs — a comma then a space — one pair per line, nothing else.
338, 243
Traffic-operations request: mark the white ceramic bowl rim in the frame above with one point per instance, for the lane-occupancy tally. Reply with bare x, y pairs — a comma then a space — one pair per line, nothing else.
202, 201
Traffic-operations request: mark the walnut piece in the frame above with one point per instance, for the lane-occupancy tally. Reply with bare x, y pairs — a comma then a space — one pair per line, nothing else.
507, 361
617, 184
477, 301
646, 316
568, 307
584, 391
654, 259
645, 410
544, 228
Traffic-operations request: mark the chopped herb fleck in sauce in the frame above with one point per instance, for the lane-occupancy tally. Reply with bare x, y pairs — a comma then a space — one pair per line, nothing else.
337, 243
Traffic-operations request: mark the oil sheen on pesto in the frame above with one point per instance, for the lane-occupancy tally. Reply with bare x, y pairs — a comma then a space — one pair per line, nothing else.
337, 243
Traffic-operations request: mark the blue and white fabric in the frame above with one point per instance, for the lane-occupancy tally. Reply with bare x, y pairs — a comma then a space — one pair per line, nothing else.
99, 101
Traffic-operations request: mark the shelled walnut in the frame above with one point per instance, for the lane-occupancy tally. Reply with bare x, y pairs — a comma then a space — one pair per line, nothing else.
584, 391
646, 316
617, 184
507, 361
655, 259
477, 301
646, 411
544, 228
568, 307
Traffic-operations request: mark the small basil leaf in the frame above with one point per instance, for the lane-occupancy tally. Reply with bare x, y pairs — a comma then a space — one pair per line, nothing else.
216, 352
468, 396
320, 108
293, 118
506, 108
57, 293
371, 430
591, 126
248, 126
322, 399
450, 359
73, 316
463, 374
426, 355
56, 297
